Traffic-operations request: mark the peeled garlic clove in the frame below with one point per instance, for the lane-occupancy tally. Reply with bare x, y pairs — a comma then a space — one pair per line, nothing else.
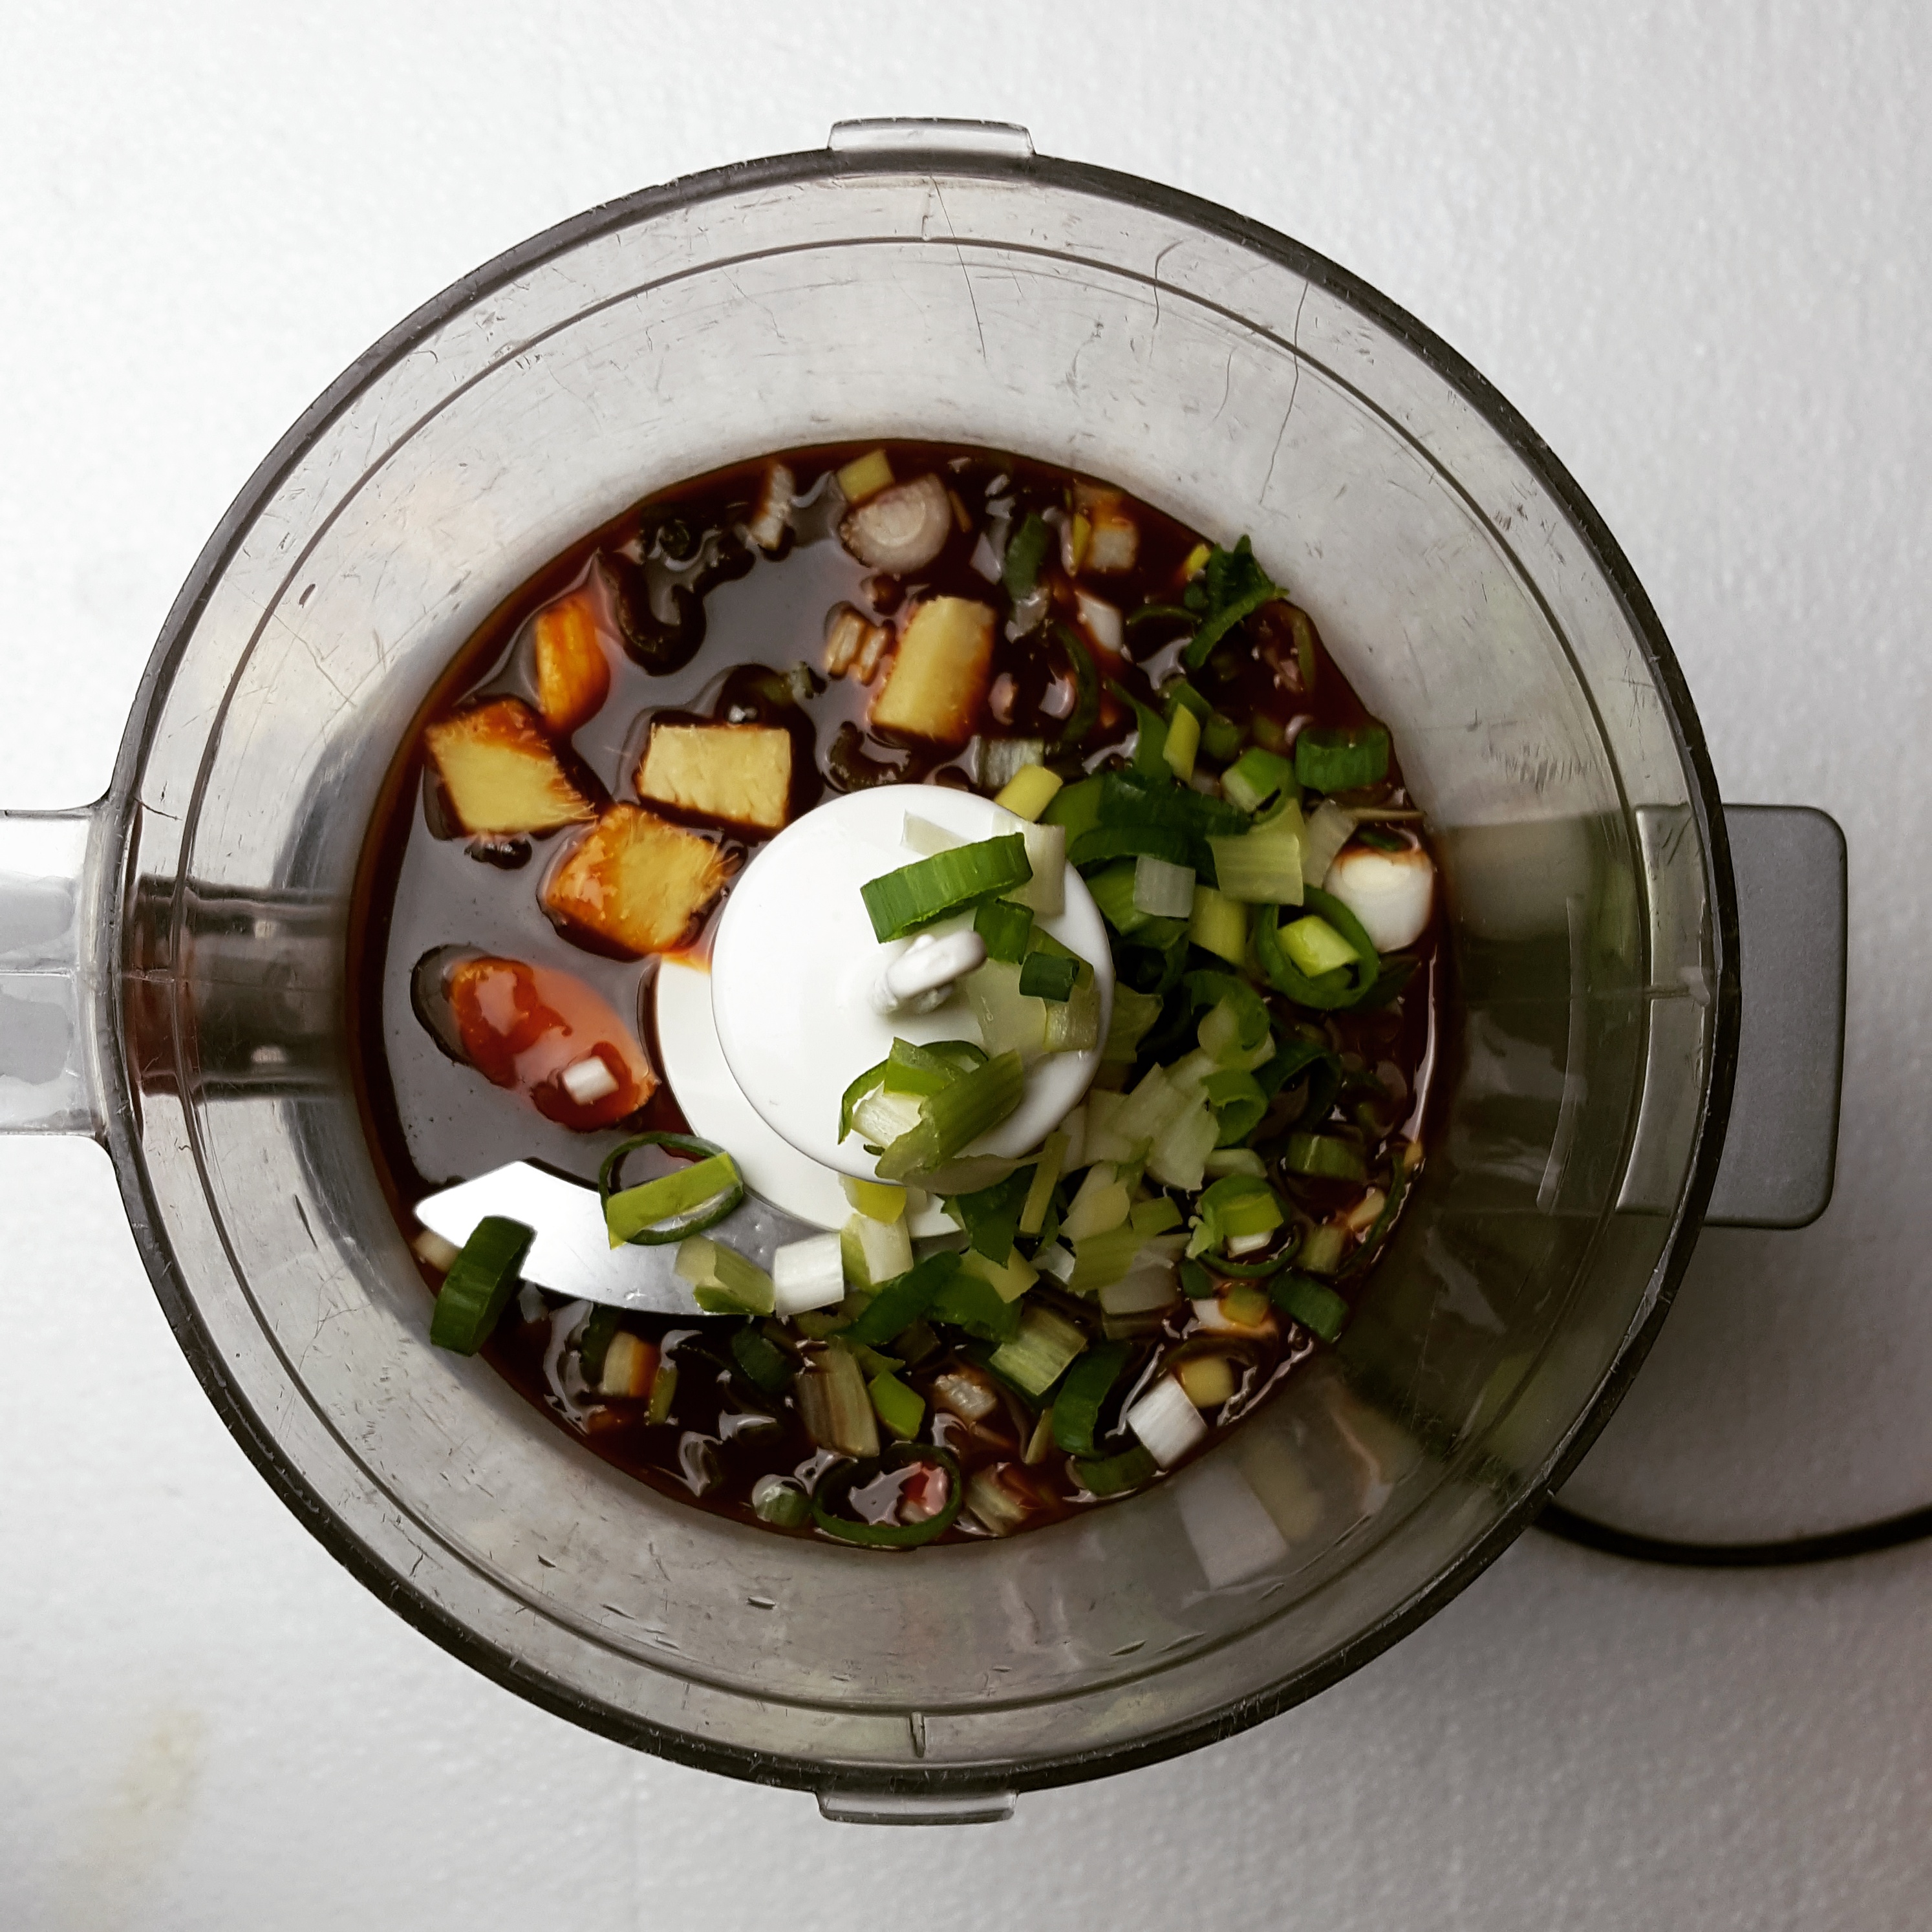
1391, 893
902, 528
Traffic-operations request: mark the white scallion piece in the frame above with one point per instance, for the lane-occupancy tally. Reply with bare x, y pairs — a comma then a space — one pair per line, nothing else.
1391, 893
807, 1274
1102, 622
1248, 1244
1147, 1286
1044, 894
1055, 1261
588, 1080
772, 517
1327, 832
1167, 1422
927, 838
1163, 889
1074, 1128
430, 1246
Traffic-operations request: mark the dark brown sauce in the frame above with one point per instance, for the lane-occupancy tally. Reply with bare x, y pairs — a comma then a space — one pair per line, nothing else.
682, 564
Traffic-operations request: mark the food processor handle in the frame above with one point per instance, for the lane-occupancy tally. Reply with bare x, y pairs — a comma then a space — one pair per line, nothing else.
48, 1079
1781, 1144
940, 137
838, 1804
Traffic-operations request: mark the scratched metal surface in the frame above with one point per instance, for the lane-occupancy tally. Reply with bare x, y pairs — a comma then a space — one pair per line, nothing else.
1691, 248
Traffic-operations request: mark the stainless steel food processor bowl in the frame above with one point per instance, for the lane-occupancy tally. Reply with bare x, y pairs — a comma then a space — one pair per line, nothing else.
174, 957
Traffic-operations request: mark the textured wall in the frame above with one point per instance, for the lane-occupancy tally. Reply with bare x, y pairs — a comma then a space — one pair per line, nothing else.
1691, 243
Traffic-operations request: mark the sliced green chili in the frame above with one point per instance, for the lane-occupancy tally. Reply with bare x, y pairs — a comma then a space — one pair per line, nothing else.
837, 1483
648, 1215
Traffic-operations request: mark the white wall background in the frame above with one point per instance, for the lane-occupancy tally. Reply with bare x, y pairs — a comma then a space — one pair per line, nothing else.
1692, 243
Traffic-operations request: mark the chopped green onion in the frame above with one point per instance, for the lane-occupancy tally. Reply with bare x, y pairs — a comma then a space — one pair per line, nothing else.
1086, 712
1183, 741
1133, 1013
952, 1119
722, 1281
833, 1403
1099, 1260
837, 1484
1264, 865
1174, 843
1163, 889
1034, 1360
1009, 1278
479, 1284
1155, 1217
1045, 975
766, 1366
1076, 1408
875, 1252
1238, 1103
1026, 551
1219, 925
661, 1210
663, 1388
594, 1340
971, 1302
1236, 587
1320, 1250
900, 1408
1331, 828
1255, 777
1077, 809
1102, 1201
1342, 987
779, 1500
685, 1201
921, 1070
1236, 1160
901, 901
1029, 791
1045, 1177
1181, 696
1115, 1475
1315, 1305
1221, 737
1044, 894
993, 1215
874, 1198
1341, 758
1236, 1205
1325, 1157
858, 1089
1113, 891
1172, 613
1316, 947
1073, 1024
882, 1115
900, 1303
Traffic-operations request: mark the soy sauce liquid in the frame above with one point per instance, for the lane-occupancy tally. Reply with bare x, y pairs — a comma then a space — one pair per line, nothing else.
432, 1121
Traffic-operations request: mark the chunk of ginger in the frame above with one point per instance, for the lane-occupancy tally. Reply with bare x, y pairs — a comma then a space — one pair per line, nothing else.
636, 882
938, 679
500, 773
740, 773
573, 675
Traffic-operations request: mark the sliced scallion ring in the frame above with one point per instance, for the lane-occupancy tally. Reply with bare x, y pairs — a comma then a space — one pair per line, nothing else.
901, 901
1347, 985
685, 1201
478, 1285
837, 1483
